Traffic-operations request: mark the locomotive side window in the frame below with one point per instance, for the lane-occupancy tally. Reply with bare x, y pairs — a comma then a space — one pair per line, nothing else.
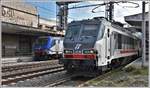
116, 40
58, 41
123, 42
119, 41
101, 32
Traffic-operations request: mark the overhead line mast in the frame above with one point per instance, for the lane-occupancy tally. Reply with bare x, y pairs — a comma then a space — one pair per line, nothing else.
63, 8
62, 12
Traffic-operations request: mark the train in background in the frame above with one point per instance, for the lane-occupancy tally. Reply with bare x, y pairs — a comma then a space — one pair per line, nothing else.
48, 47
96, 45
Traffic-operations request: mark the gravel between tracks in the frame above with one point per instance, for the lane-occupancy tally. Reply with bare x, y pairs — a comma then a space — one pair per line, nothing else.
47, 80
75, 81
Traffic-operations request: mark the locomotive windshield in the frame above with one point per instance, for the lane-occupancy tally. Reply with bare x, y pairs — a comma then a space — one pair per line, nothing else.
53, 42
86, 31
41, 41
89, 30
73, 31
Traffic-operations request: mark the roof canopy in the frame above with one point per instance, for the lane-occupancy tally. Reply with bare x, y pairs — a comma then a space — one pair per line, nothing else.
136, 19
25, 30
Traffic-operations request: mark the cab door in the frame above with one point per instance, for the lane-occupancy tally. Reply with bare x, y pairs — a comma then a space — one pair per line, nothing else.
108, 44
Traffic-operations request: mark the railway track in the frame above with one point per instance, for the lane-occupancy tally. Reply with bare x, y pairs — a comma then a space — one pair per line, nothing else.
25, 65
59, 82
15, 73
69, 81
81, 81
54, 80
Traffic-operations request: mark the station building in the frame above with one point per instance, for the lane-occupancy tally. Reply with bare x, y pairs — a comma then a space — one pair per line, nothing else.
21, 25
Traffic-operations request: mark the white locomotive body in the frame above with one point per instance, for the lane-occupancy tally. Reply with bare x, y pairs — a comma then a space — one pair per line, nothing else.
98, 44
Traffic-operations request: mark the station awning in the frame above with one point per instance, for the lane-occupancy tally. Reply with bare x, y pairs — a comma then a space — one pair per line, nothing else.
136, 19
10, 28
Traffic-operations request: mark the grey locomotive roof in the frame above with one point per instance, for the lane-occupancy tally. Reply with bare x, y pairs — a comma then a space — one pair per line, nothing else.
97, 20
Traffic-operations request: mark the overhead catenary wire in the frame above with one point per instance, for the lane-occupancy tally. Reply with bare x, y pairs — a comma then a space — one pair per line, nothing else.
36, 5
102, 4
44, 10
137, 5
93, 10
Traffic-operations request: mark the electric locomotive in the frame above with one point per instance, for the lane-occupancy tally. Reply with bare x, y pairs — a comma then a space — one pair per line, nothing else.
97, 45
47, 47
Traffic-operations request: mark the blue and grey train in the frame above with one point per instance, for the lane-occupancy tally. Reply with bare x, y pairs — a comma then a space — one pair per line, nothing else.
47, 47
96, 45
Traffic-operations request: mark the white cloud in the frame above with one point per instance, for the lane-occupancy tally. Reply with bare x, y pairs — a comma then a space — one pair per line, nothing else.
53, 18
86, 13
120, 12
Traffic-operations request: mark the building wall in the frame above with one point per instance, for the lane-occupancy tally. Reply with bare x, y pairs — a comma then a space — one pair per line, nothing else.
17, 45
9, 45
20, 5
19, 12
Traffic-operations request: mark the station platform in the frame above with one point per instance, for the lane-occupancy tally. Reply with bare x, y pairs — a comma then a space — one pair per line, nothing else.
138, 63
7, 60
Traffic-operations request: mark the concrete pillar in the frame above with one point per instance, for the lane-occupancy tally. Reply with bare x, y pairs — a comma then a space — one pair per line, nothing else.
143, 35
149, 36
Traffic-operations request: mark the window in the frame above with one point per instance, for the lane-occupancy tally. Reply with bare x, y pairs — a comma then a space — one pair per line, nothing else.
89, 30
119, 41
25, 46
101, 32
41, 41
53, 42
116, 40
58, 41
123, 42
72, 31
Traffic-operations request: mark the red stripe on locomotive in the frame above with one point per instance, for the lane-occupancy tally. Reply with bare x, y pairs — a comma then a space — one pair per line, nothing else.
128, 51
80, 56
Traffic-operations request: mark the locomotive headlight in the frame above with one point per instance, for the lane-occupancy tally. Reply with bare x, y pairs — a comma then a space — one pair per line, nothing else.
88, 51
68, 51
91, 51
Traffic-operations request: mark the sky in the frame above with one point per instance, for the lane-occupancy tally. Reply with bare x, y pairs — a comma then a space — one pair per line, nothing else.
47, 9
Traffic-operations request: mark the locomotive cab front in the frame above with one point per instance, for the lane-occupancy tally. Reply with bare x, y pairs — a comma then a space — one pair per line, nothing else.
79, 44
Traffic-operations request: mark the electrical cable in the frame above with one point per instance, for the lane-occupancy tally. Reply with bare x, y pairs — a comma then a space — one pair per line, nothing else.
96, 8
